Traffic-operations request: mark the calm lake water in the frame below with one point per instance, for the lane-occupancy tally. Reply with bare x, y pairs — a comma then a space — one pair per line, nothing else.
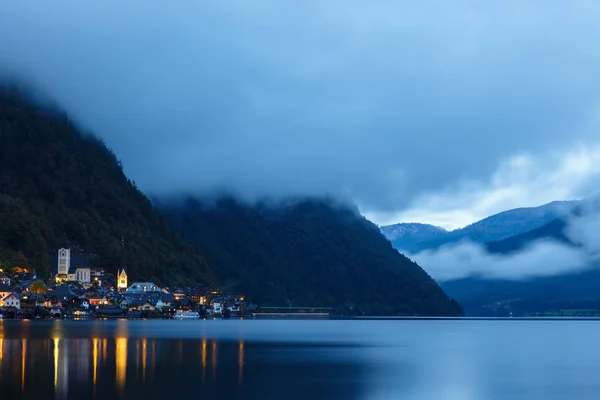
258, 359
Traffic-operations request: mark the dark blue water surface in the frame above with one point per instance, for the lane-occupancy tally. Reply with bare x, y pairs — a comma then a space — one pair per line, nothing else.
265, 359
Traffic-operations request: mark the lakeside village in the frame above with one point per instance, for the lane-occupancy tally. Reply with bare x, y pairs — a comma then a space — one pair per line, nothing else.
87, 292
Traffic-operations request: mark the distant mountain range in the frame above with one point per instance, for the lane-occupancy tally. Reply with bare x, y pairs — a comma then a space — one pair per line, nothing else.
414, 237
504, 235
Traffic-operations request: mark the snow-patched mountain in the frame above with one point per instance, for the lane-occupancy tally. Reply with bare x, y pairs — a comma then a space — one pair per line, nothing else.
409, 236
413, 237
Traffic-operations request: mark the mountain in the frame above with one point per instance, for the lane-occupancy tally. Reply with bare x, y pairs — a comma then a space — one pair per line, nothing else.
59, 184
409, 237
308, 252
566, 291
413, 238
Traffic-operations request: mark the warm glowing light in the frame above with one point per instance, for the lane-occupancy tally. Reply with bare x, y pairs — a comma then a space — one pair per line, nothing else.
1, 347
104, 350
203, 360
121, 361
214, 359
240, 362
153, 356
56, 355
23, 359
95, 358
144, 344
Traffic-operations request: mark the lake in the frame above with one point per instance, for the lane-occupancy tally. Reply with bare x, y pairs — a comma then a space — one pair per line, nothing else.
294, 359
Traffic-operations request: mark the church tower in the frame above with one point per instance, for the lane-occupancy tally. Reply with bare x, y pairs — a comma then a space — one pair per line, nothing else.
64, 261
121, 273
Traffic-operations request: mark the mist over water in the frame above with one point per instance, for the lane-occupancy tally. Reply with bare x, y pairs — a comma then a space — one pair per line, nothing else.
299, 359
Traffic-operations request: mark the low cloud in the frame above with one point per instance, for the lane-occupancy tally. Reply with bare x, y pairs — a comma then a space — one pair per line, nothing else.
541, 258
524, 180
385, 103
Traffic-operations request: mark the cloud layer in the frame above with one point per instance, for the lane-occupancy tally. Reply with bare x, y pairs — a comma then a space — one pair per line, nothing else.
391, 104
544, 257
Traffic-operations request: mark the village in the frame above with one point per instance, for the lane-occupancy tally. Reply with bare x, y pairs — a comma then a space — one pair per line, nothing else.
82, 292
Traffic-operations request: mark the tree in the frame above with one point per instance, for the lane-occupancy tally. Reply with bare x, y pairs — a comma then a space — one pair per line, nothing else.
38, 287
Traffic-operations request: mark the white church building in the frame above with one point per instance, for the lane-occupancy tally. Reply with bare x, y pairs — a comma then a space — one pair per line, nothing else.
80, 275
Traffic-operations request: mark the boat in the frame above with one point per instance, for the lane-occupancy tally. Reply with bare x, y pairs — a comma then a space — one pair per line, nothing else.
180, 314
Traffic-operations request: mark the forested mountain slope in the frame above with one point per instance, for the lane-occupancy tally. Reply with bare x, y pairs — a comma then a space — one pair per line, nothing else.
57, 183
309, 252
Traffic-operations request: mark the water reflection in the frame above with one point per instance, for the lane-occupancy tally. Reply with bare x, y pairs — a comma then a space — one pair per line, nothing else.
95, 360
23, 361
63, 361
121, 363
240, 361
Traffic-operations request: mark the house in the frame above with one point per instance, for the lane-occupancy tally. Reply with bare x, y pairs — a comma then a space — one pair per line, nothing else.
12, 300
60, 296
5, 290
141, 305
83, 275
217, 307
30, 301
183, 304
90, 292
4, 280
168, 300
97, 301
179, 294
124, 304
141, 287
25, 286
234, 307
56, 312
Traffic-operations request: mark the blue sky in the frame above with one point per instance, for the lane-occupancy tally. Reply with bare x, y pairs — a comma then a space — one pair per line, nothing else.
441, 112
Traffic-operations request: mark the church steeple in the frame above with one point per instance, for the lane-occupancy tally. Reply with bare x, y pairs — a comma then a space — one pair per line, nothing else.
122, 252
122, 274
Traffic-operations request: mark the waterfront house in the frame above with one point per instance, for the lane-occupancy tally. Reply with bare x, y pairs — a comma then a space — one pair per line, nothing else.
217, 307
183, 304
61, 296
31, 301
12, 300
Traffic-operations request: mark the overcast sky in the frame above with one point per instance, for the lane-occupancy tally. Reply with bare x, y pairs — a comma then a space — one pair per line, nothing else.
441, 112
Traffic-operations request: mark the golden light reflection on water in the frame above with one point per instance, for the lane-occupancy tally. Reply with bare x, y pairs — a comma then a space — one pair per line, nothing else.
203, 360
95, 360
144, 346
23, 361
240, 362
153, 356
121, 362
214, 360
104, 350
56, 355
73, 357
